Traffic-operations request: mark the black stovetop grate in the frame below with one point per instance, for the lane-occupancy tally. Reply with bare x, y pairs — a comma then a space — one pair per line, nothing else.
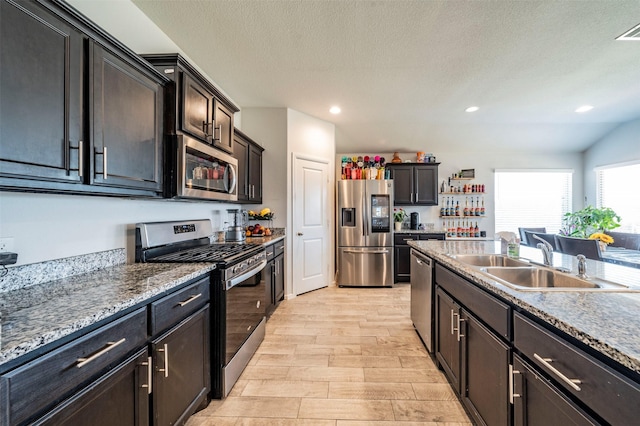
223, 253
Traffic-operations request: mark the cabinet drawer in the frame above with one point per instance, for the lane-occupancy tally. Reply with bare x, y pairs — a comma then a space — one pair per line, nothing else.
609, 394
278, 248
30, 389
401, 239
270, 250
489, 309
171, 309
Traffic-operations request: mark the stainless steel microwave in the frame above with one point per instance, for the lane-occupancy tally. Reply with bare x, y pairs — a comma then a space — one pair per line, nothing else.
202, 172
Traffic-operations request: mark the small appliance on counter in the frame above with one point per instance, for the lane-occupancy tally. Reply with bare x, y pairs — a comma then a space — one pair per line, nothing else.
237, 222
415, 220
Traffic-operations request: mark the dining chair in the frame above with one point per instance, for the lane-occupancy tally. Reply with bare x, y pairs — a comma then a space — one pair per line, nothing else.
523, 236
575, 246
550, 238
626, 240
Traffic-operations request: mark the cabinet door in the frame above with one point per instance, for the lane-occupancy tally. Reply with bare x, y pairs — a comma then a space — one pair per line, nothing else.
223, 121
127, 125
537, 403
485, 361
181, 369
241, 153
118, 398
268, 274
279, 279
447, 343
426, 185
255, 174
41, 103
197, 109
402, 185
402, 263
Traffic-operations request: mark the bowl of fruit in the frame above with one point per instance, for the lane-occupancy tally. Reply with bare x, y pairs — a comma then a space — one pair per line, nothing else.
257, 230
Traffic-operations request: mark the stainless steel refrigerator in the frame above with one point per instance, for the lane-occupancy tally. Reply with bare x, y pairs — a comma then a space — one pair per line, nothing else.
365, 236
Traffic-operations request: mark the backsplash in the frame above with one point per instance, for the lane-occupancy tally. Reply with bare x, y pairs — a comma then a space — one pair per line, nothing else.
38, 273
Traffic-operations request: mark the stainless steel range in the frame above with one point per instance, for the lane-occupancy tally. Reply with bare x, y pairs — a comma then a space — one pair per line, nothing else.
237, 290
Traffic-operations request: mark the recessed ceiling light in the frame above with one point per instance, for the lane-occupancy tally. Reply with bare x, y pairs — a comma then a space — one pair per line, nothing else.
472, 109
335, 110
584, 108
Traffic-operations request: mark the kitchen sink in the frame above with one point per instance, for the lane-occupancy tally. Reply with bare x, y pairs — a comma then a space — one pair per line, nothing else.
542, 279
490, 260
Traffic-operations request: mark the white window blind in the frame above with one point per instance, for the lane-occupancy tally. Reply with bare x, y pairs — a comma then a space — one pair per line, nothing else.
616, 189
532, 199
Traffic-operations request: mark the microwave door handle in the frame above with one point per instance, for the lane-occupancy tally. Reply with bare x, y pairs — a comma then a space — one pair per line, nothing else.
229, 188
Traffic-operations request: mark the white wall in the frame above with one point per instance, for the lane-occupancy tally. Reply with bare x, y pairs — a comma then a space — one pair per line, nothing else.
485, 163
620, 146
268, 127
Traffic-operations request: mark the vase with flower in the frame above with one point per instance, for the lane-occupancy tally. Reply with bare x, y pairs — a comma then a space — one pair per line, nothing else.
603, 239
399, 215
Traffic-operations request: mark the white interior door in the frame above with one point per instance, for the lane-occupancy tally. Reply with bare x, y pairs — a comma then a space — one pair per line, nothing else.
311, 228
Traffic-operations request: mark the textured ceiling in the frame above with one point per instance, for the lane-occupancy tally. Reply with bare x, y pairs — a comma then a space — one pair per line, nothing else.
404, 71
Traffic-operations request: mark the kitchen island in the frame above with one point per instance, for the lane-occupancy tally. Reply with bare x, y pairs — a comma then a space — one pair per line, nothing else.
534, 357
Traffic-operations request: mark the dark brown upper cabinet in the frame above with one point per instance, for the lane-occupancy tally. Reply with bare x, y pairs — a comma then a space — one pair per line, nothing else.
415, 184
193, 104
249, 156
80, 112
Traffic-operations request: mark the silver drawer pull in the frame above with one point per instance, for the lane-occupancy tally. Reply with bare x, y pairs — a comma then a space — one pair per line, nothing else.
460, 321
110, 345
189, 300
547, 363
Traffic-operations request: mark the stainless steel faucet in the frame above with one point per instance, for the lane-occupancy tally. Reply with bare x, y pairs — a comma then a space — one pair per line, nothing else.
582, 267
547, 251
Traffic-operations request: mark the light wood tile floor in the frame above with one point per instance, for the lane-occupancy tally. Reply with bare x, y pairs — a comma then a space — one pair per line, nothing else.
339, 357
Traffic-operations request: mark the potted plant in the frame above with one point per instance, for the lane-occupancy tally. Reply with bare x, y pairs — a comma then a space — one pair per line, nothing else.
591, 222
399, 215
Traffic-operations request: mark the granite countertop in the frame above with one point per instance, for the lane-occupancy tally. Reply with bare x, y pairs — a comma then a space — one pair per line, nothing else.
418, 231
265, 241
605, 321
38, 315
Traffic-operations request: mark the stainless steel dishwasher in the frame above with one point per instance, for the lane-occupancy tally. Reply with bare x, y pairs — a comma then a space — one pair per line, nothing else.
422, 297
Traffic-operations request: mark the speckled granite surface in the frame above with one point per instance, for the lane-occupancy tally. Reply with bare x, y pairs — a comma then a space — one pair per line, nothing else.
265, 241
608, 322
38, 273
37, 315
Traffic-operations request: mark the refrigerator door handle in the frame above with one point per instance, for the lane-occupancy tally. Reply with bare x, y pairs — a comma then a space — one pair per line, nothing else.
367, 251
364, 216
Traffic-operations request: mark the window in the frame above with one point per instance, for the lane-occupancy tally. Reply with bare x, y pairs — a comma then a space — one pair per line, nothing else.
616, 189
532, 199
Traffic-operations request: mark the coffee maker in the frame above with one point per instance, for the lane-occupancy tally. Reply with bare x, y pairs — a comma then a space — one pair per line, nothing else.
237, 222
415, 220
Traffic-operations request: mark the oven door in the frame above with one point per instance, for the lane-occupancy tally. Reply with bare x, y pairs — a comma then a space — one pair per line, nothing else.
245, 308
205, 172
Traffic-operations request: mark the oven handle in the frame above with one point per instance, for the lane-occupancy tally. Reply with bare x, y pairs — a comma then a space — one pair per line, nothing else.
237, 280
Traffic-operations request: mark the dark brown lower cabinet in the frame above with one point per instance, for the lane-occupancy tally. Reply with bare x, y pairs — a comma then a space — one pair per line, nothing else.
181, 375
118, 398
475, 361
485, 372
536, 402
447, 344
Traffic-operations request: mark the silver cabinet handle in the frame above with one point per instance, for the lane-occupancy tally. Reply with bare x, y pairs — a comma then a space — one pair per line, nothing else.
110, 345
219, 138
512, 395
189, 300
460, 321
547, 363
104, 163
281, 247
166, 360
205, 128
258, 304
452, 327
149, 365
80, 159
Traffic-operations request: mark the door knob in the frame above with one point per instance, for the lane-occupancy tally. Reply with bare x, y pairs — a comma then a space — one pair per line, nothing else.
300, 234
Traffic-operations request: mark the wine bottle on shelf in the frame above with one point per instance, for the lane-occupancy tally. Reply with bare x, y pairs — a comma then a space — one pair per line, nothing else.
466, 206
457, 208
477, 210
482, 211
